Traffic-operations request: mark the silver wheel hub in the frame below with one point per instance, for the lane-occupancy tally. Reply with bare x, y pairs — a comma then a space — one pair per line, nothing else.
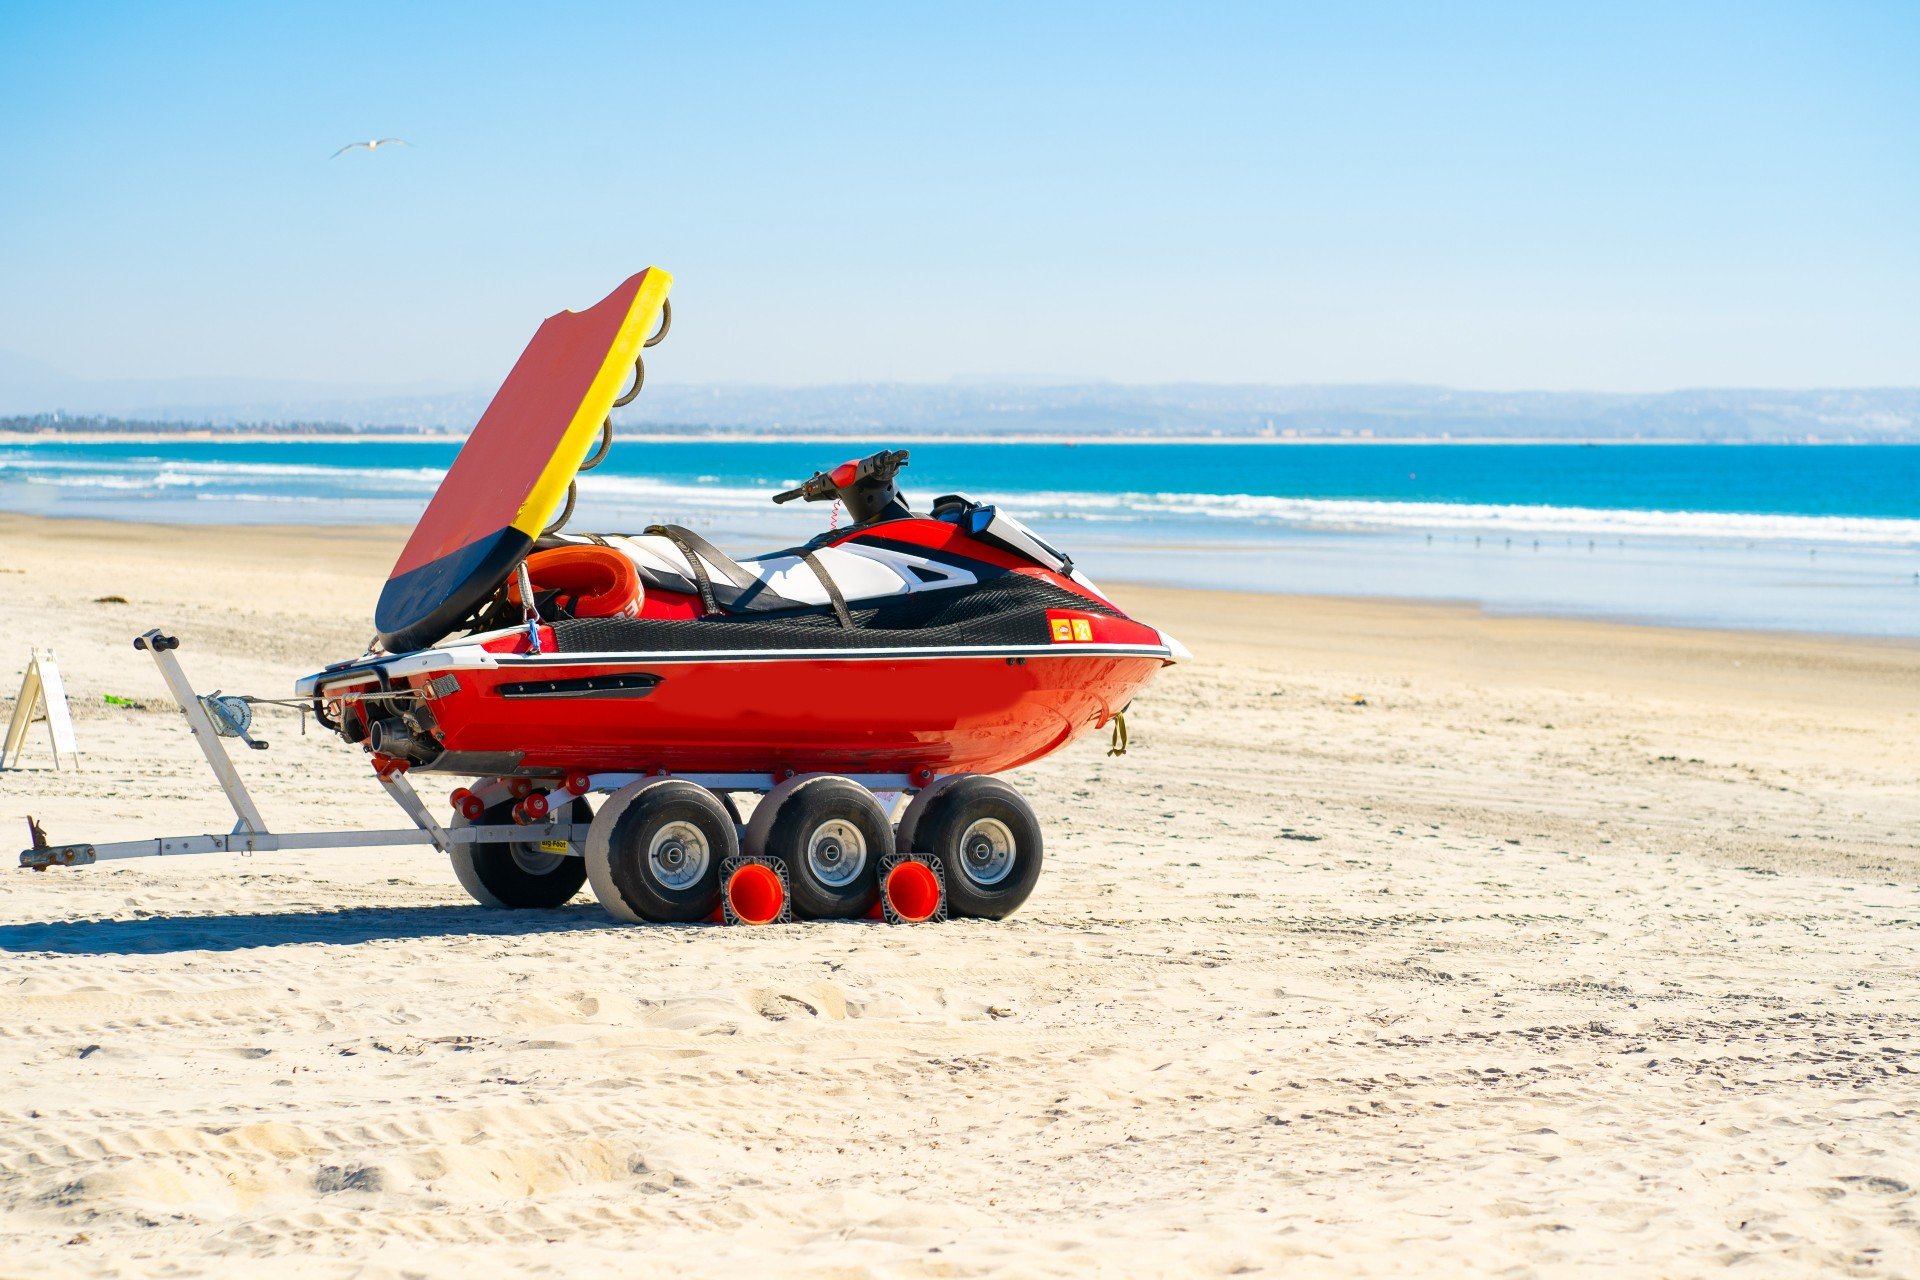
836, 853
986, 851
678, 855
535, 861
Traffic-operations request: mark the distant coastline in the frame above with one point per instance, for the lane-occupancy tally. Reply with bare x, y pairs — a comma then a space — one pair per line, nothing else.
981, 412
376, 435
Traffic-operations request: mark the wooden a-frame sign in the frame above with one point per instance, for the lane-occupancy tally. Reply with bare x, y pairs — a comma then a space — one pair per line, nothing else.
42, 686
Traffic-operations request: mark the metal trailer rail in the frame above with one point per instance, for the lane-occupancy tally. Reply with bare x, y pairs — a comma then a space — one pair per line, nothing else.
250, 833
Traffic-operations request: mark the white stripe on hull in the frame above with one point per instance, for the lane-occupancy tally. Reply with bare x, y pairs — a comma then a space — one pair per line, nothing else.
474, 658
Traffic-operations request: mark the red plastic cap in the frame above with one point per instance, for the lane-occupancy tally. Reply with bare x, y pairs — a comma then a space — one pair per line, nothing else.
913, 892
755, 894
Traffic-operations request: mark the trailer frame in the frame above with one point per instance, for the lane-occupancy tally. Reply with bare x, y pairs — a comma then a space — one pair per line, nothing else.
251, 834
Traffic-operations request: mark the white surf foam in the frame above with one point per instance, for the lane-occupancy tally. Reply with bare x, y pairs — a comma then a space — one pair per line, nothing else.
1333, 513
298, 484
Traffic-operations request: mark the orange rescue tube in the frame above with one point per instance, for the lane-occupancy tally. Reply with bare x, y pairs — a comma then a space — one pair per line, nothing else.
755, 894
593, 581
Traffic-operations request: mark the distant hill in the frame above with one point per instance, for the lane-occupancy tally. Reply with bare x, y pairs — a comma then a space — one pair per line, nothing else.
44, 403
1324, 412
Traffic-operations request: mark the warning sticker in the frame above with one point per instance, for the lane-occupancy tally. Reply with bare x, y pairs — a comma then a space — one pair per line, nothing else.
1069, 630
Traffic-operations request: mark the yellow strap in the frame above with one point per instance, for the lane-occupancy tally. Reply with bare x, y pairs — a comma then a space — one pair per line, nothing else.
1119, 746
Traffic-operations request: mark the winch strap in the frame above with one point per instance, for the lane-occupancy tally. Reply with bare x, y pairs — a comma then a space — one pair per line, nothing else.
833, 588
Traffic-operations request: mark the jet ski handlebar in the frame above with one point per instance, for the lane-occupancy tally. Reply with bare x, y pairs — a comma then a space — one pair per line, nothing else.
871, 474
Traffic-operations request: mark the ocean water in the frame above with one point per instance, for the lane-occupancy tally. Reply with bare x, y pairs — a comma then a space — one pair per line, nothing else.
1806, 538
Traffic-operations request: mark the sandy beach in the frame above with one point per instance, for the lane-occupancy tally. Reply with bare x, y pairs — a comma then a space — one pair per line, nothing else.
1405, 940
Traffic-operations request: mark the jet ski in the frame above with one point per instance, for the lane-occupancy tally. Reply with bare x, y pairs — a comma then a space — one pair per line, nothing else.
896, 662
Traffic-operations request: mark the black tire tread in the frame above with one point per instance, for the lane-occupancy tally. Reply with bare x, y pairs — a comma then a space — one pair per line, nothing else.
822, 801
627, 864
518, 891
957, 808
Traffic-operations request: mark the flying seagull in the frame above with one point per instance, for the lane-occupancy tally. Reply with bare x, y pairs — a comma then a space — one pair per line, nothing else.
371, 145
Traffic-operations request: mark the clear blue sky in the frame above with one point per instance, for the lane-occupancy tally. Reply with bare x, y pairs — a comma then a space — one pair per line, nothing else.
1555, 196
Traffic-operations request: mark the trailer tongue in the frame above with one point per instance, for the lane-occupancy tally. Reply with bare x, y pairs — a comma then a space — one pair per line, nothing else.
250, 832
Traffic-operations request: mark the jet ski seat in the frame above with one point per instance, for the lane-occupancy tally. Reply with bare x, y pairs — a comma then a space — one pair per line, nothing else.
664, 558
1010, 609
700, 558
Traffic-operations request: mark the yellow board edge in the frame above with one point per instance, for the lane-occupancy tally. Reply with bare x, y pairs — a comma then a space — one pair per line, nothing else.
544, 499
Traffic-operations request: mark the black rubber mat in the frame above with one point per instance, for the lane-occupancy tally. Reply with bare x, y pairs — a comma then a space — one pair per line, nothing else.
1006, 610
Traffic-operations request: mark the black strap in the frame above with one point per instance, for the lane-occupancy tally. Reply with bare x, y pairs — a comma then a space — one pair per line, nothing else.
676, 535
833, 588
753, 595
684, 537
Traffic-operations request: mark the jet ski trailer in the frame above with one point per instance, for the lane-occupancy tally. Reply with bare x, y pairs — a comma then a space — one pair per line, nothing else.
211, 718
865, 685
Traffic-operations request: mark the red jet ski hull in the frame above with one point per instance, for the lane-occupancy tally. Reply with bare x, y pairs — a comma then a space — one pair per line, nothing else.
946, 714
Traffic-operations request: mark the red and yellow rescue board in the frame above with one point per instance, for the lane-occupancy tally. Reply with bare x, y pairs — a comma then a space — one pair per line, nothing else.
513, 471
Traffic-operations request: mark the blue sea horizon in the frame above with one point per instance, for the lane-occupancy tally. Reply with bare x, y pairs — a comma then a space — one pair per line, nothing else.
1770, 537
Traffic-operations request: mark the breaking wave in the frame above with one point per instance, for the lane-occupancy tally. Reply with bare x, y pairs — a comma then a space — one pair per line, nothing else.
397, 493
1463, 517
